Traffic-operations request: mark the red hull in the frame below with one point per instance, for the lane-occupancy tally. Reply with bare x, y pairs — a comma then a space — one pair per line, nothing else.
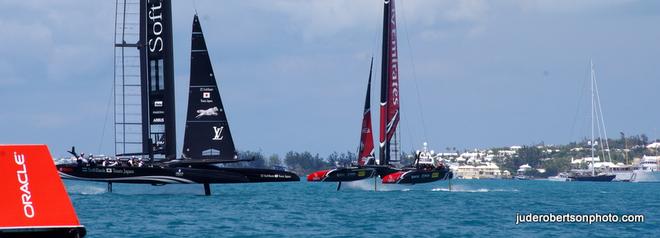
342, 174
317, 176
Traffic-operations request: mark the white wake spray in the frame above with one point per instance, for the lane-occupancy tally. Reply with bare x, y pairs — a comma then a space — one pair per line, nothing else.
467, 189
368, 185
85, 189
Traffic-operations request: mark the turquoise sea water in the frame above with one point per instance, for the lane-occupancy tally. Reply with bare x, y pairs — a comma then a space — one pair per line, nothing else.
474, 208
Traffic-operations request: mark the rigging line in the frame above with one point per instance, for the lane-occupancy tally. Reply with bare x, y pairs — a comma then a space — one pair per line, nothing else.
594, 110
599, 129
107, 112
114, 78
577, 109
591, 81
408, 130
414, 71
602, 120
596, 114
409, 133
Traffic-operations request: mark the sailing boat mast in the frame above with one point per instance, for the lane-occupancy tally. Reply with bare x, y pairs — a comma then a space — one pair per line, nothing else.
389, 90
593, 163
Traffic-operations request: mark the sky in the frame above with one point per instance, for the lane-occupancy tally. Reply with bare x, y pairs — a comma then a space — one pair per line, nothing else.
293, 73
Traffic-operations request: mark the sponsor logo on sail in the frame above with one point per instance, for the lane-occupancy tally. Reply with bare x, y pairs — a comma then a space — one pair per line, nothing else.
156, 15
158, 104
218, 132
208, 112
206, 95
160, 120
394, 61
23, 180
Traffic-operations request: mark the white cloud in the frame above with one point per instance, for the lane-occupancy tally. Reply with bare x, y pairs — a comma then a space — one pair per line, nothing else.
319, 19
56, 41
566, 6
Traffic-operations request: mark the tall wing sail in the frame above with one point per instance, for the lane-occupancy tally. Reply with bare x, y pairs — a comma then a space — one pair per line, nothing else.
207, 134
366, 150
157, 73
389, 94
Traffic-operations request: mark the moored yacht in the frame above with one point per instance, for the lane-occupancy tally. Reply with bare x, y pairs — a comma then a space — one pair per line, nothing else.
597, 121
561, 177
648, 170
521, 173
622, 172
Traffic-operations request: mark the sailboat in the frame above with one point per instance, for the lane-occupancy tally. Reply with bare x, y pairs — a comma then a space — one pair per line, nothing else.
366, 160
425, 169
422, 170
151, 158
596, 120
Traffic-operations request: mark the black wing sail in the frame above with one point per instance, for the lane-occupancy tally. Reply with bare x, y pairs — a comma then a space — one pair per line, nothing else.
157, 74
207, 135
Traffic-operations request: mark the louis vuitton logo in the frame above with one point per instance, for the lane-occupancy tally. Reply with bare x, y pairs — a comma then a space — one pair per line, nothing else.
218, 132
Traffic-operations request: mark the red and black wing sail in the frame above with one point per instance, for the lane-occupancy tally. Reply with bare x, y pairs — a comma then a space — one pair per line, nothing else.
207, 134
366, 150
389, 94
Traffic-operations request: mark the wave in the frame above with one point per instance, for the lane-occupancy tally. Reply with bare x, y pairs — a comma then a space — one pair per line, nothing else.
85, 189
464, 189
368, 185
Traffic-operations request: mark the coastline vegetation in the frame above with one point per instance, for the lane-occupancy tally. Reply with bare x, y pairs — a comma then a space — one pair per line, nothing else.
552, 158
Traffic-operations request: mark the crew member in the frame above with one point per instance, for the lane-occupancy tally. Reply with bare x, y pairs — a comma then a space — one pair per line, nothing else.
113, 163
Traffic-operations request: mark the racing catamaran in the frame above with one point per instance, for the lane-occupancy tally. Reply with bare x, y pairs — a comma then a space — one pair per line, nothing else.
150, 157
419, 171
422, 170
366, 166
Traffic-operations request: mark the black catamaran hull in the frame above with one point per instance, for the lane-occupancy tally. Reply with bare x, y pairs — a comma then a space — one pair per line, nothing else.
174, 175
597, 178
415, 176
